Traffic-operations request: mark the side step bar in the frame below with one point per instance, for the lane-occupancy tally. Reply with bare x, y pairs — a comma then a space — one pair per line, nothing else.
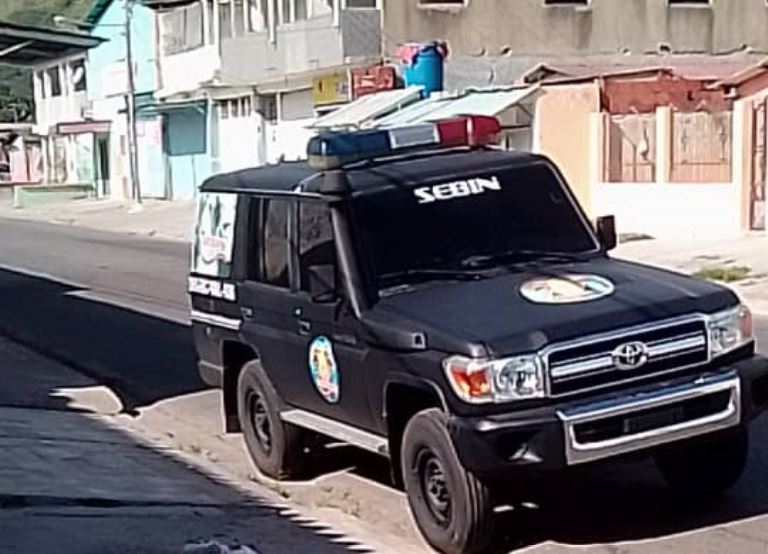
339, 431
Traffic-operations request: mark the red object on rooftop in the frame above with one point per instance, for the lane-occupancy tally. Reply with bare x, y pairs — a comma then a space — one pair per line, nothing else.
473, 130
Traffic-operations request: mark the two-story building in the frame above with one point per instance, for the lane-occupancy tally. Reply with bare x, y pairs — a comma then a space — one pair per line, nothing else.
58, 59
236, 77
81, 103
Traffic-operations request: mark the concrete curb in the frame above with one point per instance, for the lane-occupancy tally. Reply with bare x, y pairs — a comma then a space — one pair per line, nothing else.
73, 222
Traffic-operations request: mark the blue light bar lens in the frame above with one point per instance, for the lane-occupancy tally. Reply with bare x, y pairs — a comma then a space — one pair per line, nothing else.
329, 150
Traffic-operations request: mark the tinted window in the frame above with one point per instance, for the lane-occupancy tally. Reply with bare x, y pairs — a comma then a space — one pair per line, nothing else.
275, 244
443, 223
316, 247
55, 80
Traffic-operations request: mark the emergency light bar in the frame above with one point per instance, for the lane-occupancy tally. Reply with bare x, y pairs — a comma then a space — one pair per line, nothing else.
332, 150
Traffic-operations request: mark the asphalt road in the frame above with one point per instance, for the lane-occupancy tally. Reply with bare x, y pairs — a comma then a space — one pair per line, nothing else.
115, 306
110, 304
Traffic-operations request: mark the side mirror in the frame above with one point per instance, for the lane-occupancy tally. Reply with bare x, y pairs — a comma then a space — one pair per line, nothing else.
606, 232
322, 283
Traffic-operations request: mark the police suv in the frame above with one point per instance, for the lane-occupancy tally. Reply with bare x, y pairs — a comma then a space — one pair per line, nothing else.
422, 295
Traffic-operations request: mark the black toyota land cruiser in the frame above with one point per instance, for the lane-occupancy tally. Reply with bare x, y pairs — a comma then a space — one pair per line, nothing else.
448, 305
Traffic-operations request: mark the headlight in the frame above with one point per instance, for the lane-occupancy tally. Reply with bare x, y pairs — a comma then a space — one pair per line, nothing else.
483, 381
729, 330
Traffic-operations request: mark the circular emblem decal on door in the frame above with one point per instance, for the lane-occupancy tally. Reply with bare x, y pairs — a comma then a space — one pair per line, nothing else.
323, 368
566, 289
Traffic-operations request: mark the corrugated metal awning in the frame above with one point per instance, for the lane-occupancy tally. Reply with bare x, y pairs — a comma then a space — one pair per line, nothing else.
489, 102
364, 110
28, 45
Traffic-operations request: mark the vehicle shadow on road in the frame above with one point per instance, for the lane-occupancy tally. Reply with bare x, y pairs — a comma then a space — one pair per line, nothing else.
143, 359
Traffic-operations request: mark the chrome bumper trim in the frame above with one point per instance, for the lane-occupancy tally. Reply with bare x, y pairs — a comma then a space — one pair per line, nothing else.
577, 453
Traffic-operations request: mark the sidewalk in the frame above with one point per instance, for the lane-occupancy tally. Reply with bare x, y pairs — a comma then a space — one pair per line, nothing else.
156, 218
691, 256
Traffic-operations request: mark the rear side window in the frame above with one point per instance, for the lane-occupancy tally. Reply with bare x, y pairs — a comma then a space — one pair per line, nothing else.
214, 235
275, 243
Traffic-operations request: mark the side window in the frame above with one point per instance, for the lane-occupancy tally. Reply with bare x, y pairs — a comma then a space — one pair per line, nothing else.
316, 246
275, 243
214, 235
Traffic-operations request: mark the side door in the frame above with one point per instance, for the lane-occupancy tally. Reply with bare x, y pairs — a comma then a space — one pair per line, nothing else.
267, 296
333, 356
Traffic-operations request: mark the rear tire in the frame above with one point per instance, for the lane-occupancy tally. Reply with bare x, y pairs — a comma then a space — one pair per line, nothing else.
276, 447
452, 506
706, 466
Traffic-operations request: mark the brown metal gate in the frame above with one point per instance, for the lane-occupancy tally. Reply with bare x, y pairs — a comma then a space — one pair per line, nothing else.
758, 184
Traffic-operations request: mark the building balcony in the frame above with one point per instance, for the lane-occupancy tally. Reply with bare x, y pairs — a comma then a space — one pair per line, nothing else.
49, 112
302, 47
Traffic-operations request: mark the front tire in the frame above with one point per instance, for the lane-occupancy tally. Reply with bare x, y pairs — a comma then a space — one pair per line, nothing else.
452, 506
276, 447
706, 466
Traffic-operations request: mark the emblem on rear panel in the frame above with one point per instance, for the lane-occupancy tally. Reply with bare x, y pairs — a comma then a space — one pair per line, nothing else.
323, 368
629, 356
566, 289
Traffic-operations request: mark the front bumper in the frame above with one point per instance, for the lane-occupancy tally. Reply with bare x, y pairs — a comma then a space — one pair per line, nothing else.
612, 425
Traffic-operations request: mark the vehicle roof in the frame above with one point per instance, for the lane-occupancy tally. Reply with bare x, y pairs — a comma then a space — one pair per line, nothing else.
368, 176
283, 177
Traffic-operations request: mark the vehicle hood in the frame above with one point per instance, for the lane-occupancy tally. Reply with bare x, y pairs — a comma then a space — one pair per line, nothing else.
492, 315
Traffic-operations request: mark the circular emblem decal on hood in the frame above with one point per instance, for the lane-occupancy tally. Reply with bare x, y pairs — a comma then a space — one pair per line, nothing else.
566, 289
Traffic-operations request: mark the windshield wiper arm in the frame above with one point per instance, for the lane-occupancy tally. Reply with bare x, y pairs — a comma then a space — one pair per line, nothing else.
521, 256
410, 275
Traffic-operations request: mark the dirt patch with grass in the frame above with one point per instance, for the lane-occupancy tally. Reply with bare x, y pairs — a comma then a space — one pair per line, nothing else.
725, 274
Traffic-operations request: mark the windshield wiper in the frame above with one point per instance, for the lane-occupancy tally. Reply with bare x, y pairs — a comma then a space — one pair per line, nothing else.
426, 275
516, 257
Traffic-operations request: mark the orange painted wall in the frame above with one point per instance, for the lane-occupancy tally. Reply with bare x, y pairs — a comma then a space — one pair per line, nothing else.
565, 133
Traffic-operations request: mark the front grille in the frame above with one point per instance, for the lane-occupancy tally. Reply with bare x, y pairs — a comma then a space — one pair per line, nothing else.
651, 419
590, 364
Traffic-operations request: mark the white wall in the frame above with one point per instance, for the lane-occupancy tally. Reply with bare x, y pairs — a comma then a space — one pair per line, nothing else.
288, 138
185, 71
67, 107
671, 210
675, 210
239, 143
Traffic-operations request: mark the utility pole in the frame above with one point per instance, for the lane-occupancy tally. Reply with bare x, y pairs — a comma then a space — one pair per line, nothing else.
130, 104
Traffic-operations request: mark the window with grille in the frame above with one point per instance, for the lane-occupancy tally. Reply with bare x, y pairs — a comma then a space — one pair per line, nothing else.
566, 2
688, 3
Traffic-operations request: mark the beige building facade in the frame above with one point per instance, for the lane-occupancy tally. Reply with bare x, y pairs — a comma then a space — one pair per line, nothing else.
575, 27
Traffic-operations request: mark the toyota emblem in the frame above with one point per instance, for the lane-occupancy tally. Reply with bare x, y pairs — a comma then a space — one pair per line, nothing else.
629, 356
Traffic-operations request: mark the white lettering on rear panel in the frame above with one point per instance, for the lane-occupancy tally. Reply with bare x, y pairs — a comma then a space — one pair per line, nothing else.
214, 289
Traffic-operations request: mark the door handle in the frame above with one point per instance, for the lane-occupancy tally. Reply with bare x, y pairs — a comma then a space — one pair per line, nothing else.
246, 312
304, 327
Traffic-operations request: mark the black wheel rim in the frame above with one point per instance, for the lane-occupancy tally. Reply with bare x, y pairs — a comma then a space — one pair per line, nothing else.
434, 486
262, 427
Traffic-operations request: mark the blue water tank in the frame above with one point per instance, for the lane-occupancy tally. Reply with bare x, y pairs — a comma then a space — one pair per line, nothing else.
425, 68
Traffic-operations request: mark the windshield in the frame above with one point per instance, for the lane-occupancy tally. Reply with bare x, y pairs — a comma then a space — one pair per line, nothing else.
461, 225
